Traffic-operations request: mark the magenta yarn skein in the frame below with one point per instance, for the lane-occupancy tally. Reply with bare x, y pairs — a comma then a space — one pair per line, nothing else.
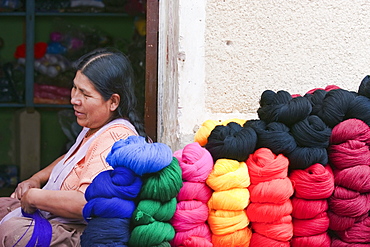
319, 240
194, 241
201, 231
195, 161
355, 178
349, 154
311, 227
350, 129
336, 242
350, 206
308, 209
188, 215
194, 191
358, 233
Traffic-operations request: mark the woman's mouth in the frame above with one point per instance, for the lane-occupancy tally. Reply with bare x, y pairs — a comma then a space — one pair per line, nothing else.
78, 114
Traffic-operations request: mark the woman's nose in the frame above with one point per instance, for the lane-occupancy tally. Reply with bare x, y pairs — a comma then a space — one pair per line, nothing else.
74, 98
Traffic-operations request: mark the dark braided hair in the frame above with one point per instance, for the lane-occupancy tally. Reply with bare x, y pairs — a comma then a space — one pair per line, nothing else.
111, 73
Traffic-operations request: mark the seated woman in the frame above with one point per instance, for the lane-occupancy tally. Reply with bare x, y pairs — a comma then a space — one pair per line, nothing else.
104, 103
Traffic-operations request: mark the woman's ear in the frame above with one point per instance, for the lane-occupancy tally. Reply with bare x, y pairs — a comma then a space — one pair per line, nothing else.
115, 99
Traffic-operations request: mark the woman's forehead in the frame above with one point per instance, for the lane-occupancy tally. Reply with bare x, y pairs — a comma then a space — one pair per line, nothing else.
83, 83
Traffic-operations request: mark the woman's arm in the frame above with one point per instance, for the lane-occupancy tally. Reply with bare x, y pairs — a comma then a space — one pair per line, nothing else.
68, 204
36, 181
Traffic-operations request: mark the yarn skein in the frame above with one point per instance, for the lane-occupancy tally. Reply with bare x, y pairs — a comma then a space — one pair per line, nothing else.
201, 136
334, 106
359, 109
228, 174
311, 132
231, 142
315, 182
282, 107
139, 156
149, 211
266, 192
274, 136
108, 235
195, 162
190, 220
350, 129
164, 184
364, 87
194, 191
120, 182
263, 165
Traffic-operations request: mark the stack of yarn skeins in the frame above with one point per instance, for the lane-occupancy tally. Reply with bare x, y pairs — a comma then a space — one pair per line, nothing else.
324, 137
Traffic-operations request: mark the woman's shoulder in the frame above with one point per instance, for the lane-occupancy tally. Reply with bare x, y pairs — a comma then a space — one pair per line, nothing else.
116, 132
103, 142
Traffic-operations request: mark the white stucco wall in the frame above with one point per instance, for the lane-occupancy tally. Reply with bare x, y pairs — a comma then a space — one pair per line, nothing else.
231, 51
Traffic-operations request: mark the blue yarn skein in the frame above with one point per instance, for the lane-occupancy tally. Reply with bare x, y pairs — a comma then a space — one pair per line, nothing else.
359, 108
282, 107
334, 106
139, 156
275, 136
311, 132
108, 208
42, 231
304, 157
120, 182
364, 88
231, 142
112, 232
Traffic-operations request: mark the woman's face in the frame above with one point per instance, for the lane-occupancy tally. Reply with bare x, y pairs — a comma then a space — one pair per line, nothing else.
91, 110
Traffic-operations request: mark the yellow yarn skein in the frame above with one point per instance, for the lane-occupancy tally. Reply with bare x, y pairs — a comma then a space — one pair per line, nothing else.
228, 174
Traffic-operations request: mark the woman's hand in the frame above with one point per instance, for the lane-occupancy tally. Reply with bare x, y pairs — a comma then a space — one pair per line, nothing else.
26, 201
36, 181
24, 186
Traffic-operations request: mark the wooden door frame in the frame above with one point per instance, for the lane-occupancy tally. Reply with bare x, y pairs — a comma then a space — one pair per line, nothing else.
151, 68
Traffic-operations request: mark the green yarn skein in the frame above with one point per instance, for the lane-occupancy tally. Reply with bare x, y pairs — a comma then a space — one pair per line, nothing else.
149, 211
152, 234
163, 185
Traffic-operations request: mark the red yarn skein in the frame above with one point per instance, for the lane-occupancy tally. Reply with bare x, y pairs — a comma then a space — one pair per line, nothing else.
268, 192
319, 240
315, 182
264, 166
259, 240
308, 209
